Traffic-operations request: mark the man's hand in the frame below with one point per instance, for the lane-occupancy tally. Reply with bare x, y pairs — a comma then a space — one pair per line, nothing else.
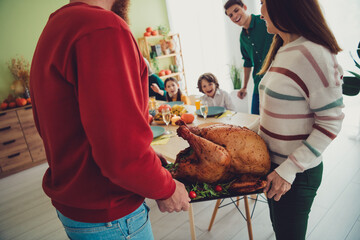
276, 186
242, 93
163, 161
156, 89
179, 201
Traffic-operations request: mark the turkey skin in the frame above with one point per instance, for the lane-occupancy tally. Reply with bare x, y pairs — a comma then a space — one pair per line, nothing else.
221, 153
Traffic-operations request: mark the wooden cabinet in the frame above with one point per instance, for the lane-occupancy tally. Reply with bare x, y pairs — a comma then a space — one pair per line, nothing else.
165, 59
20, 144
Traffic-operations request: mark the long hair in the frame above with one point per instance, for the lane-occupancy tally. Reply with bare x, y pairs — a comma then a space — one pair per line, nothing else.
302, 17
179, 93
208, 77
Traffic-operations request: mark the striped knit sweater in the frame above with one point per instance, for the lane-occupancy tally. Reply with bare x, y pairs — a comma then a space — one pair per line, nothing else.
300, 106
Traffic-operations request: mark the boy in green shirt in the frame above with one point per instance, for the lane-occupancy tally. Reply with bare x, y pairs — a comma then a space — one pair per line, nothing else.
255, 42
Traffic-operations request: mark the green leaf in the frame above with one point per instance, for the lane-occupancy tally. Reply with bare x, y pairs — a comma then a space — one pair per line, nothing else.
235, 75
355, 74
356, 64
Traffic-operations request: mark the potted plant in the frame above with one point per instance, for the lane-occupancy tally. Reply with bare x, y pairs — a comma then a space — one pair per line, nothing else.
154, 61
351, 85
20, 69
235, 75
163, 30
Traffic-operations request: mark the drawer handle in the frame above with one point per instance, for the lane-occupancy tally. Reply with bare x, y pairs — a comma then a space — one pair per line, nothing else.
14, 155
5, 128
9, 142
2, 114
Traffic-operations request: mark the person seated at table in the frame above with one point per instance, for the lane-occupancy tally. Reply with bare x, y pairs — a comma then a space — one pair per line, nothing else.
173, 92
156, 84
213, 95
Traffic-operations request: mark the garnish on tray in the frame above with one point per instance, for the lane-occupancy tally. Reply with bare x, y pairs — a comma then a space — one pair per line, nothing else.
203, 190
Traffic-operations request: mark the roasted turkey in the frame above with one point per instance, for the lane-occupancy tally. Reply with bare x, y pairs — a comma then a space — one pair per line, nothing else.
221, 153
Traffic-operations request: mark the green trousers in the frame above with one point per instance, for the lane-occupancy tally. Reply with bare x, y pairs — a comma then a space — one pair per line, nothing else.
289, 216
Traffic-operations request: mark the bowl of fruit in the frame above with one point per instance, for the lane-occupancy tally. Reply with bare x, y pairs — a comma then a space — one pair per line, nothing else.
158, 118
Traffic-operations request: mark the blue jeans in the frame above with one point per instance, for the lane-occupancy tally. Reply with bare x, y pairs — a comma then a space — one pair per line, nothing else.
135, 226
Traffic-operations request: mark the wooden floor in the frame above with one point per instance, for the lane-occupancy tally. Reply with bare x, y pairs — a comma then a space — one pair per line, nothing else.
26, 213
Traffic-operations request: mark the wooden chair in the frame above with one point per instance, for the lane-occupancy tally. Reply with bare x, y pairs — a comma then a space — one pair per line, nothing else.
247, 216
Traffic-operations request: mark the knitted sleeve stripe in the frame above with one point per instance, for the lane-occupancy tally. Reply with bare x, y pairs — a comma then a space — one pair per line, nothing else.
284, 137
336, 103
296, 162
312, 149
278, 154
292, 76
330, 118
312, 61
281, 96
287, 116
302, 116
324, 131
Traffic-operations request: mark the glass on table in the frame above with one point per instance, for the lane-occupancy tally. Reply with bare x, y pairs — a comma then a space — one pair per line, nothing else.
204, 109
166, 114
197, 104
152, 106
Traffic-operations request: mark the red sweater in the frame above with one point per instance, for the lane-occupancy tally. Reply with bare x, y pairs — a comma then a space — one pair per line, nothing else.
90, 101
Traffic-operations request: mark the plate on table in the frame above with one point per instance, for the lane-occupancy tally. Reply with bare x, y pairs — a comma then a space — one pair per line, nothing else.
213, 111
157, 131
175, 103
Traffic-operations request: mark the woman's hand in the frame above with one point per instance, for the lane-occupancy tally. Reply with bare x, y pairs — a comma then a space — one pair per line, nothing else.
242, 93
156, 89
276, 186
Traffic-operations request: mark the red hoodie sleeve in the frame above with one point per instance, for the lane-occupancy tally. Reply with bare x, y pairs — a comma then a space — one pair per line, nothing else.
112, 93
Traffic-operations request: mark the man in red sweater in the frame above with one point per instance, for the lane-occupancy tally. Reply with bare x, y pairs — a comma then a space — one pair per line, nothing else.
90, 101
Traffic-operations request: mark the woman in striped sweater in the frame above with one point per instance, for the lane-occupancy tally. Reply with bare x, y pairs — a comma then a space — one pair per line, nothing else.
300, 108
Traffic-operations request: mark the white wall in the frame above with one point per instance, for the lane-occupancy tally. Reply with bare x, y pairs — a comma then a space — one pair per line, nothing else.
203, 38
343, 18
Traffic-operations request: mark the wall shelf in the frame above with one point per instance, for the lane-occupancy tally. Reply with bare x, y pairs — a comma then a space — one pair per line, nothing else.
175, 58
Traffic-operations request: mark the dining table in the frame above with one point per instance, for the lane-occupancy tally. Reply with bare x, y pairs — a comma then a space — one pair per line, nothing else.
174, 144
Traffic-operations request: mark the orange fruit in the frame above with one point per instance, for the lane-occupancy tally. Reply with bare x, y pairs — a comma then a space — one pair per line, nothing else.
20, 102
12, 105
187, 117
4, 106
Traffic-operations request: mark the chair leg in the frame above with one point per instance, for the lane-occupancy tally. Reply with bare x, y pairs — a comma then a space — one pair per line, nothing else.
248, 217
214, 214
192, 225
237, 201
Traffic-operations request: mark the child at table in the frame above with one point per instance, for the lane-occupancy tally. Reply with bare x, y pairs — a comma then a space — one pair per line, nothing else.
173, 92
214, 96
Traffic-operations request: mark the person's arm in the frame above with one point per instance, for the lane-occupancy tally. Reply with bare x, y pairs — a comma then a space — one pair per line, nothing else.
243, 91
158, 87
122, 152
248, 64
